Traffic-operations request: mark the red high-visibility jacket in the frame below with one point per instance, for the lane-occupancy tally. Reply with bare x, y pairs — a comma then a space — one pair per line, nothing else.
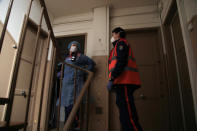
130, 75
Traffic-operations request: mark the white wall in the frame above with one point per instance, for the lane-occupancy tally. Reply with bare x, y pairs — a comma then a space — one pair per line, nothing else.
97, 25
134, 18
100, 32
75, 24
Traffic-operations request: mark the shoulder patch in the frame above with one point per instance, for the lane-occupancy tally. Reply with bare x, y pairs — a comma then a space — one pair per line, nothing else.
121, 47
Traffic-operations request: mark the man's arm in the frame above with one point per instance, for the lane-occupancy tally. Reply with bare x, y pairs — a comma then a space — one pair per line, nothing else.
122, 59
90, 63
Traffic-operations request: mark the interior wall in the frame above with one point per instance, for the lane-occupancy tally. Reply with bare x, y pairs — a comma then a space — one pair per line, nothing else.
75, 25
98, 93
135, 18
6, 64
128, 18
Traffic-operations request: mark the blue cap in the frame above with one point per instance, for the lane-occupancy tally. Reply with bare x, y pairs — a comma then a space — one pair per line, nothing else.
74, 42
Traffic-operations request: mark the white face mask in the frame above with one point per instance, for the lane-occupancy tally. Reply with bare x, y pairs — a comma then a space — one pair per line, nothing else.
112, 39
73, 49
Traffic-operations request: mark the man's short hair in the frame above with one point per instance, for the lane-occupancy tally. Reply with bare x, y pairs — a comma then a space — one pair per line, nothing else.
120, 31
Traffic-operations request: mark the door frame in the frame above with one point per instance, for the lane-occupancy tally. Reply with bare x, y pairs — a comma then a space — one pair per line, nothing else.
78, 34
176, 9
54, 72
189, 51
168, 27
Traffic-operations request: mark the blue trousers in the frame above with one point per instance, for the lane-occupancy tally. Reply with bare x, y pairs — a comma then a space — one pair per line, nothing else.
67, 113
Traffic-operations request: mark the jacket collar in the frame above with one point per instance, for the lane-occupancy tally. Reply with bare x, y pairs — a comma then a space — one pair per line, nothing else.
114, 43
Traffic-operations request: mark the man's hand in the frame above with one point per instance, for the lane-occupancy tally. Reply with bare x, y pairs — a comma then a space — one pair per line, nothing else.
109, 85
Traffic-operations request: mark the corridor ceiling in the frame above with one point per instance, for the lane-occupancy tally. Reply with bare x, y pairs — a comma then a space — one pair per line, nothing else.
60, 8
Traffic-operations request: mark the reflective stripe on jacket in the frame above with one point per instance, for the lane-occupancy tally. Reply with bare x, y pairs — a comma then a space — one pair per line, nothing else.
130, 75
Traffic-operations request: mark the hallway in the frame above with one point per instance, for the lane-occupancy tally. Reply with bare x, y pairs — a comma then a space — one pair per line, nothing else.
34, 35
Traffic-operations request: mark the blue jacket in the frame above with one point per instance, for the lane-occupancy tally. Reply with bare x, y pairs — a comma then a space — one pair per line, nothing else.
67, 95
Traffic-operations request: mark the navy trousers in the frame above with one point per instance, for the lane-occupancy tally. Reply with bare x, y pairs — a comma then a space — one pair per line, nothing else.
67, 112
127, 110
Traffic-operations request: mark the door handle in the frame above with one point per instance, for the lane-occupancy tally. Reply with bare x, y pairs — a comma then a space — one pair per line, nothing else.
22, 93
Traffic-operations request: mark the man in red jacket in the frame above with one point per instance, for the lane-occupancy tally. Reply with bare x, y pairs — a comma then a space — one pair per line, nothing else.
124, 79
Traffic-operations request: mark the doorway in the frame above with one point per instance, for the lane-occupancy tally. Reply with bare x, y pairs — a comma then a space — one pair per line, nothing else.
63, 52
64, 41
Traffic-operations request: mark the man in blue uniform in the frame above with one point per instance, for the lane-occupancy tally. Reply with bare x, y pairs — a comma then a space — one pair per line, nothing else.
124, 78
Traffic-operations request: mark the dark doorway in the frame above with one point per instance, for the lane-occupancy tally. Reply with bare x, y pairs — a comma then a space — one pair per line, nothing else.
64, 41
61, 55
